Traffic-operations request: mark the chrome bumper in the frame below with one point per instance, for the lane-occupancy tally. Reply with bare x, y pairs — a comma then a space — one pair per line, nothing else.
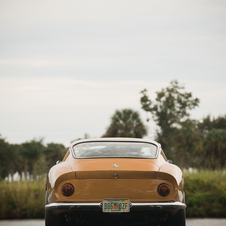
151, 206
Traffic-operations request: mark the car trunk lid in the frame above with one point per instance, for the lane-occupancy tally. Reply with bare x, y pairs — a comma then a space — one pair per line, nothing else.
115, 168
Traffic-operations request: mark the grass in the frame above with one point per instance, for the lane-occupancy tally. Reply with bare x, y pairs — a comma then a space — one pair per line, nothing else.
205, 196
22, 200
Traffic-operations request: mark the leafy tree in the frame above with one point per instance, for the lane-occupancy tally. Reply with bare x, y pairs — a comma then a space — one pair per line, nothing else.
54, 152
170, 110
9, 158
208, 123
188, 144
215, 149
30, 152
213, 132
126, 123
171, 106
40, 168
4, 159
14, 162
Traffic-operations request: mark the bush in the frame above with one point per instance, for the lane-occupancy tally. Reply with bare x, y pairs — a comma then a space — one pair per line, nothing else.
206, 194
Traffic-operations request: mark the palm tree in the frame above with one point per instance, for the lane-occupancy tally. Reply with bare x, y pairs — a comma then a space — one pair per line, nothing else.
126, 123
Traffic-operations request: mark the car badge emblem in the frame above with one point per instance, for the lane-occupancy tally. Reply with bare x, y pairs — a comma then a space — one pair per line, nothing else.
115, 165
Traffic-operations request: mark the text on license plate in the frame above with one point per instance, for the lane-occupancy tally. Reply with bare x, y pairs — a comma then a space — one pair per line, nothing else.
116, 205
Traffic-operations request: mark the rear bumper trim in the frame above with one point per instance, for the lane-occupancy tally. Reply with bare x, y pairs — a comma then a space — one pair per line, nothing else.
160, 205
151, 206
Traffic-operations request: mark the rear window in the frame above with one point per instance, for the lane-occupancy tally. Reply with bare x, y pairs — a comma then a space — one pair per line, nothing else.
115, 150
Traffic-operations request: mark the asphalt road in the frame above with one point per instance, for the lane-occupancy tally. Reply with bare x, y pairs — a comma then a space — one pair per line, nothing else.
190, 222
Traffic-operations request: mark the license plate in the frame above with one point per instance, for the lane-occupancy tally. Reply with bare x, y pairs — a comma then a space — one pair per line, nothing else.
116, 205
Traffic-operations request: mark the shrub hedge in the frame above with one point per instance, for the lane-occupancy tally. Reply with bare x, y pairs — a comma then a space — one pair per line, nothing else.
206, 194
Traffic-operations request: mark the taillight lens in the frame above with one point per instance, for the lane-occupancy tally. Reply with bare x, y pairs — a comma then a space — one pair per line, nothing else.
164, 190
67, 190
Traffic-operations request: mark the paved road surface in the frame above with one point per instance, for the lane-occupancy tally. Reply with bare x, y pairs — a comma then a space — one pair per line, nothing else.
190, 222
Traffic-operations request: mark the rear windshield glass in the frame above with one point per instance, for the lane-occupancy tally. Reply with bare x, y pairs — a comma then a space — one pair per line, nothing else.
115, 150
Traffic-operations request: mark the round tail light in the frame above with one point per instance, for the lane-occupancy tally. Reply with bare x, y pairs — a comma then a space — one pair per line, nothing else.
67, 190
164, 190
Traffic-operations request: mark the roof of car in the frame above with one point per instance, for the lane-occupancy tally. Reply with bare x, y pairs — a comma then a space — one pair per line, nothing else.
115, 139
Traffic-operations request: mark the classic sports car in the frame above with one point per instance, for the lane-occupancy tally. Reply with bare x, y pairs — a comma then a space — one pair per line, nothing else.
115, 181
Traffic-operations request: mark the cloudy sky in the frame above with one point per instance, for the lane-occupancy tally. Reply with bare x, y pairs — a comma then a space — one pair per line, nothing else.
67, 65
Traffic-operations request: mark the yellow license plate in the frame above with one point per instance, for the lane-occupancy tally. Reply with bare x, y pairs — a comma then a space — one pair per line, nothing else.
115, 205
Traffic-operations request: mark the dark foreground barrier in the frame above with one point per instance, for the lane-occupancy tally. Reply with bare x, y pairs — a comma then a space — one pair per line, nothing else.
189, 222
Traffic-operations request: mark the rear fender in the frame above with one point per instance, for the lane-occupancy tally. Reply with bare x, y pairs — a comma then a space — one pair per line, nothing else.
173, 174
57, 174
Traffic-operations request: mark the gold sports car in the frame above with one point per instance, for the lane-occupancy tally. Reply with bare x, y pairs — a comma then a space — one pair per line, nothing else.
115, 181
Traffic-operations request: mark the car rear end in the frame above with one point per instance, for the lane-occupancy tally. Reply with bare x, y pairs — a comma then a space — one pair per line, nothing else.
116, 190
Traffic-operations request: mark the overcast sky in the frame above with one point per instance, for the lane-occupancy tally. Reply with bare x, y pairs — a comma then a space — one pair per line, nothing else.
67, 65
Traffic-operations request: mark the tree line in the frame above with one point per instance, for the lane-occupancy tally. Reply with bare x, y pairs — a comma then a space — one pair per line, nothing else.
186, 141
30, 158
